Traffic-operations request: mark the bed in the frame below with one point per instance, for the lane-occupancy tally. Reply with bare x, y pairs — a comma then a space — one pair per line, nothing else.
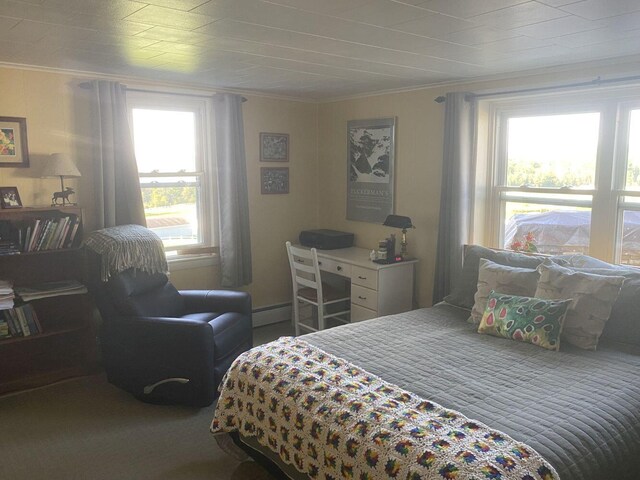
578, 409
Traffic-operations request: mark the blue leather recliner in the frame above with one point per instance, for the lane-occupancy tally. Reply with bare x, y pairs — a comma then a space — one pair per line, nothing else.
169, 346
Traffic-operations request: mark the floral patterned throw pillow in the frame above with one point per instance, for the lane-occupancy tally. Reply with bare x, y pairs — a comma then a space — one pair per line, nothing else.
526, 319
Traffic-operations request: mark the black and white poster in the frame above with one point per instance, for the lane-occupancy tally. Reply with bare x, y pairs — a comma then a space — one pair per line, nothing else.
371, 145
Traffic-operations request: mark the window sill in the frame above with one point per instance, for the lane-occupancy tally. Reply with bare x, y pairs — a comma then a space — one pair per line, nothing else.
186, 262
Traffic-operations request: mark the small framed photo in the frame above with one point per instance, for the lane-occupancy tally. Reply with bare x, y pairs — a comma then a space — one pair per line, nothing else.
274, 147
10, 198
274, 180
13, 142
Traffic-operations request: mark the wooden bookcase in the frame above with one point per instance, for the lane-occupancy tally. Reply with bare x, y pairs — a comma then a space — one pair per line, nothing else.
67, 345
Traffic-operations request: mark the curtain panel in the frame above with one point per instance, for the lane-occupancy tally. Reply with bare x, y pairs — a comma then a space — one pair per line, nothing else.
117, 186
456, 199
233, 198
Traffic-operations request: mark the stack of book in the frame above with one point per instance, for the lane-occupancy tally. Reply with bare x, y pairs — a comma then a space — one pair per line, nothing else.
50, 289
6, 294
20, 321
9, 247
49, 233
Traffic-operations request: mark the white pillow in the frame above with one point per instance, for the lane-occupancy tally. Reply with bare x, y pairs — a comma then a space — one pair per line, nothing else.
593, 297
501, 279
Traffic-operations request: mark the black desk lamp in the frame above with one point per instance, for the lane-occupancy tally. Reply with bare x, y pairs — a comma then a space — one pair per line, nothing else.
399, 221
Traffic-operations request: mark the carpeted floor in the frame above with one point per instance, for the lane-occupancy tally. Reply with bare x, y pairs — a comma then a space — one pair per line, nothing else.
87, 429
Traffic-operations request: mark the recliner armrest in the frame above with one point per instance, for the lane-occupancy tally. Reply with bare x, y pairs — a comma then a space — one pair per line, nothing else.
220, 301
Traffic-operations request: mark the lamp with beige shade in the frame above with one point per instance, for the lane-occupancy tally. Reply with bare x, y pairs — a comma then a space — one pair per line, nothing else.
61, 165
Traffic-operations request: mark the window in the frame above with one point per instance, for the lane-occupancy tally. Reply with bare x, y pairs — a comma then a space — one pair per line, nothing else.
567, 172
171, 147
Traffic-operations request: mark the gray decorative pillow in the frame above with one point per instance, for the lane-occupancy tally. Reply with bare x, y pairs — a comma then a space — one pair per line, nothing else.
503, 279
623, 325
593, 297
462, 293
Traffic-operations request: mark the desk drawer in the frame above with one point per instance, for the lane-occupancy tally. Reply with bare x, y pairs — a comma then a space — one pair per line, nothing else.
365, 297
339, 268
365, 277
358, 313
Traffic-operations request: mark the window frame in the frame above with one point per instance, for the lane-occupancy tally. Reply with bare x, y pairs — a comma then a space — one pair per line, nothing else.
206, 202
606, 198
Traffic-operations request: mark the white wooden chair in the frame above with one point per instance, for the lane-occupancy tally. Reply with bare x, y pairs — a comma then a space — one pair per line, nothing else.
309, 288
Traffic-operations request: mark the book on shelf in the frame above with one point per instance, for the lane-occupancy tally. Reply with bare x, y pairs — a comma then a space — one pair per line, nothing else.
6, 294
50, 233
50, 289
20, 321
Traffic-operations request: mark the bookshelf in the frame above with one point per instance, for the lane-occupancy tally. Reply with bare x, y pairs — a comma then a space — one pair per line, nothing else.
66, 347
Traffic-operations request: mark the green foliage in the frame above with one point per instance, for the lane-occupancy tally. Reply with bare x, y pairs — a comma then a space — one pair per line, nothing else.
162, 197
532, 174
633, 175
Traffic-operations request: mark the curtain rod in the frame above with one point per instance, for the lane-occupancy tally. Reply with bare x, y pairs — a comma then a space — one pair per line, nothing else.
87, 85
596, 82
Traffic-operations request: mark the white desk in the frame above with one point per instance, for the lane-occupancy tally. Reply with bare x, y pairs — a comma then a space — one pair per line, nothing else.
376, 289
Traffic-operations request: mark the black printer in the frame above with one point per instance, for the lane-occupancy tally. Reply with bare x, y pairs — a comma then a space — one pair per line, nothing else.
326, 239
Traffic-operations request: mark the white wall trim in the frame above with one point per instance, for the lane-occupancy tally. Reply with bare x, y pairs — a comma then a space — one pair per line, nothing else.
271, 314
186, 262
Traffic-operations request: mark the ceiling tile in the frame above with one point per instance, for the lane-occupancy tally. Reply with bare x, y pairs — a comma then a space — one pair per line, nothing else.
322, 6
558, 3
593, 37
597, 9
519, 15
184, 5
558, 27
435, 25
479, 35
383, 13
7, 24
174, 35
38, 13
113, 8
169, 17
467, 9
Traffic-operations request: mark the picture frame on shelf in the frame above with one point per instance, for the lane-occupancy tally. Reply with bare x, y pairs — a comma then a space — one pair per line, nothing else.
14, 150
274, 147
10, 198
274, 180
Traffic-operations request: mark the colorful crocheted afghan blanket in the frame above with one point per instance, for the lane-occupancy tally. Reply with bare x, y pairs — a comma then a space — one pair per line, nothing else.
332, 420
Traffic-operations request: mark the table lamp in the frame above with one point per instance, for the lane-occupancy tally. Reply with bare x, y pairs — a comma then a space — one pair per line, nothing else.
61, 165
399, 221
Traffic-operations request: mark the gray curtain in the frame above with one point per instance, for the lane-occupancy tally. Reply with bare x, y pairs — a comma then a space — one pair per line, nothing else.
117, 186
456, 199
233, 198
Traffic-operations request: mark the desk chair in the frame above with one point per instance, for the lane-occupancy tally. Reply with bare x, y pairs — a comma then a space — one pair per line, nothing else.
309, 288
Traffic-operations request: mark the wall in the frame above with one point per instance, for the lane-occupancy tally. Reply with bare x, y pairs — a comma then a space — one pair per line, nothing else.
58, 120
418, 167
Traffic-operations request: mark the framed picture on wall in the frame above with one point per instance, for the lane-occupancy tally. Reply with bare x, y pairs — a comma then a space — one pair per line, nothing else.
13, 142
274, 147
10, 198
370, 163
274, 180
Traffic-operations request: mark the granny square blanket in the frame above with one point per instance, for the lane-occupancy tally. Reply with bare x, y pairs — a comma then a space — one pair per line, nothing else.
332, 420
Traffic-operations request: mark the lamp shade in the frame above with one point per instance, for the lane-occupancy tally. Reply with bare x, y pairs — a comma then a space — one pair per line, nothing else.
398, 221
60, 165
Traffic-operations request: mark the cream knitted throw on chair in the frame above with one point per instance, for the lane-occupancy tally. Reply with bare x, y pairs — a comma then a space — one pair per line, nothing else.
128, 246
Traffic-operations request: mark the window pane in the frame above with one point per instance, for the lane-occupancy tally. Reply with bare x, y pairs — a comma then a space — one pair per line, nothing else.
553, 150
633, 155
171, 212
164, 140
555, 229
631, 237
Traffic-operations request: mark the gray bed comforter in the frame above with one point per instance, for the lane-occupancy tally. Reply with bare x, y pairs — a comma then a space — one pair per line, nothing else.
579, 409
